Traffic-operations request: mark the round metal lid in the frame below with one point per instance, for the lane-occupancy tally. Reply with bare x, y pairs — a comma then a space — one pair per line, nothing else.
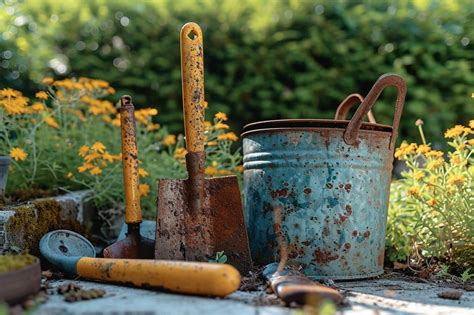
308, 124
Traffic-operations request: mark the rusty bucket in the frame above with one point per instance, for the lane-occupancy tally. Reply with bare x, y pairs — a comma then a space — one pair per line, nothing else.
330, 180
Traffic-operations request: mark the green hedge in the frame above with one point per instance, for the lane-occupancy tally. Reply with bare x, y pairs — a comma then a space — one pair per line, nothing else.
264, 59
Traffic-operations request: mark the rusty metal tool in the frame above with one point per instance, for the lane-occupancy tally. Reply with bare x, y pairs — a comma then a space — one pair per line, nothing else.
133, 245
198, 217
292, 286
75, 255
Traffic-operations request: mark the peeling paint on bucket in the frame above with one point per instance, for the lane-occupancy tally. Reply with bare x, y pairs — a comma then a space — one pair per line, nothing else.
334, 194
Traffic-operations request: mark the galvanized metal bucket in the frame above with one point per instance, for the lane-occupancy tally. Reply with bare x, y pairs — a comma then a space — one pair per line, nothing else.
331, 180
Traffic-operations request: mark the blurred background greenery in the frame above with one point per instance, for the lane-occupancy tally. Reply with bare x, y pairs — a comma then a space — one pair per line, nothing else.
264, 59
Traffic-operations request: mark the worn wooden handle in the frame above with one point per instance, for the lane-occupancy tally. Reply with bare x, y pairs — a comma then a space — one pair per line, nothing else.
175, 276
133, 213
192, 76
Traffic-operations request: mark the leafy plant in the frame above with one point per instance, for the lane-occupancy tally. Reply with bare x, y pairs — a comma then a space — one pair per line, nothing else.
69, 137
432, 205
466, 275
220, 258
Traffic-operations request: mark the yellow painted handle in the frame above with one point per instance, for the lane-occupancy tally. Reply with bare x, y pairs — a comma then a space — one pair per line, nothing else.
192, 76
176, 276
133, 213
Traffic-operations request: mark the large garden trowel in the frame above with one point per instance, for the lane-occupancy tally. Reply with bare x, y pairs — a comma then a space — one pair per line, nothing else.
199, 216
133, 245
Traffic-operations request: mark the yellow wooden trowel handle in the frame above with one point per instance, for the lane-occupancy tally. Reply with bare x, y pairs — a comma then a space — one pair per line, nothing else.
176, 276
133, 213
192, 76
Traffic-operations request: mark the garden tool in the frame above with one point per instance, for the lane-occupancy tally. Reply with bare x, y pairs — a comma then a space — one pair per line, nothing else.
292, 286
198, 217
75, 255
133, 245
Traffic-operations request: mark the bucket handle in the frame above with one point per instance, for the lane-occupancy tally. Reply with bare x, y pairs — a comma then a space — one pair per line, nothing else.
346, 105
352, 130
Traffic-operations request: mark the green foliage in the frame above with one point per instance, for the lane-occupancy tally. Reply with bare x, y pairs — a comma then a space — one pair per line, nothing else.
466, 275
264, 59
220, 258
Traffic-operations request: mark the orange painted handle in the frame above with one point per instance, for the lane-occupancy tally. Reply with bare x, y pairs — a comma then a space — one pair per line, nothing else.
133, 213
192, 76
175, 276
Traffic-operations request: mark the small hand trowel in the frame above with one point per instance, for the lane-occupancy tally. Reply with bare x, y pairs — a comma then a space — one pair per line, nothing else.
133, 245
199, 216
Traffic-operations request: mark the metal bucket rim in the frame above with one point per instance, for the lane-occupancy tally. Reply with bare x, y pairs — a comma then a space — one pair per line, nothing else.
312, 123
309, 125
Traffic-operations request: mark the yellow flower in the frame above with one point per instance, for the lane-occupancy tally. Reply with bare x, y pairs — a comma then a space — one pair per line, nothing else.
455, 159
142, 172
212, 143
84, 167
18, 154
470, 141
225, 172
69, 175
471, 124
211, 170
47, 81
83, 151
207, 125
151, 127
405, 149
7, 92
42, 95
95, 170
432, 202
456, 131
435, 164
413, 191
418, 175
434, 153
456, 180
143, 190
91, 156
239, 168
180, 153
206, 105
98, 147
221, 126
221, 116
143, 115
423, 148
38, 107
51, 122
230, 136
169, 140
13, 101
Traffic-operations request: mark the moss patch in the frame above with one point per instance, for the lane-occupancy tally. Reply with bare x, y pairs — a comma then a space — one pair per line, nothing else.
30, 193
15, 262
31, 222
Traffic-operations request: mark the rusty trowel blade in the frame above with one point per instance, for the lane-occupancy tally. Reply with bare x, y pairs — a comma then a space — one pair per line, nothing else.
185, 234
132, 246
